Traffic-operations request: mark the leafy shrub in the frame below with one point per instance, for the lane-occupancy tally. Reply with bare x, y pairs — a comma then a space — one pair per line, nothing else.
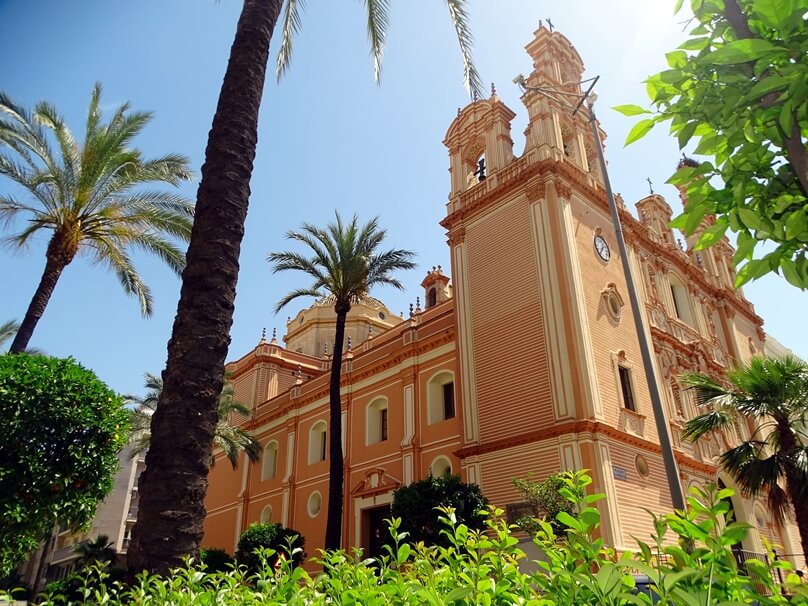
215, 559
481, 567
62, 429
545, 501
418, 506
269, 536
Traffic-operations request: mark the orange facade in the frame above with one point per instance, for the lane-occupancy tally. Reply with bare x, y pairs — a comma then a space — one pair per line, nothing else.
528, 363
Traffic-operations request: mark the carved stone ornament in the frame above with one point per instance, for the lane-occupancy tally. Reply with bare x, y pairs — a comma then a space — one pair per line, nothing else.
535, 191
563, 189
376, 481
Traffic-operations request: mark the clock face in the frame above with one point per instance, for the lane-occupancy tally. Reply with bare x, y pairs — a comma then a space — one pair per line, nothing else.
602, 248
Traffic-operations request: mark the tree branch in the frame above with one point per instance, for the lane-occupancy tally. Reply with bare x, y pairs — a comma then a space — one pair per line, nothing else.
792, 142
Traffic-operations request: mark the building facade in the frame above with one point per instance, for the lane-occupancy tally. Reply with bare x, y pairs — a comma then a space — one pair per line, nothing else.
528, 363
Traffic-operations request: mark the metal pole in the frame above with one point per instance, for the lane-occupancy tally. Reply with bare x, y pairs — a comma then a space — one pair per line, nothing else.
668, 458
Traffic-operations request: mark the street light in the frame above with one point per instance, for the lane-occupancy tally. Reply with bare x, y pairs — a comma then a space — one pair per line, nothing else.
558, 95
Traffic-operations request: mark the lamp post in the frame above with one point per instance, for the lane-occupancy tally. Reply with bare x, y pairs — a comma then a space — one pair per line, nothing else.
558, 95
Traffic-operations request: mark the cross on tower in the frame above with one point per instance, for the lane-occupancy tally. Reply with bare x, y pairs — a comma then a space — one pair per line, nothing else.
550, 24
650, 185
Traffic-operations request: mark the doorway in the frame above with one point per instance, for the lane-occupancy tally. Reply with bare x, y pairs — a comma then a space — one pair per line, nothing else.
375, 533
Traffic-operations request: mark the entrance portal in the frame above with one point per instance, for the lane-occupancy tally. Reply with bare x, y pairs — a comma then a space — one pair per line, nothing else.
375, 530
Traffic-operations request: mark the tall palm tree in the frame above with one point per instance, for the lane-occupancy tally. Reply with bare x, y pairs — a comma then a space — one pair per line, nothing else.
99, 549
172, 501
233, 440
89, 195
771, 394
345, 264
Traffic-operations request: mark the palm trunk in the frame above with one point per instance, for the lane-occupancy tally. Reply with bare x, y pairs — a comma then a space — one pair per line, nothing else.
794, 483
175, 480
333, 525
54, 266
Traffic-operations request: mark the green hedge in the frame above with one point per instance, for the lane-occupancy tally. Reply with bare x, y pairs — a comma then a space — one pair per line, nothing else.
483, 568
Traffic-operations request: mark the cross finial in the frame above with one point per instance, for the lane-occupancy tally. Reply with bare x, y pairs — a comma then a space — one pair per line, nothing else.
550, 24
650, 185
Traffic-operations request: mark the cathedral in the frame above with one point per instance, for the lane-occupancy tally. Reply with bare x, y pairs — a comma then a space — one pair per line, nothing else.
526, 361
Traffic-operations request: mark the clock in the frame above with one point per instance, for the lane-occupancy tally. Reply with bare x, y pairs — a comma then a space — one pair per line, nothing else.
602, 248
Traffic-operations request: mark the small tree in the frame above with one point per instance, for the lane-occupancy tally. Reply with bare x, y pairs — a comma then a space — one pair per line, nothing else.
96, 551
62, 429
284, 541
545, 501
418, 507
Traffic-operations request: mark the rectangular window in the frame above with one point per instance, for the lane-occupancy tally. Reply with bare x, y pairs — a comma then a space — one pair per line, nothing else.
448, 401
383, 424
322, 446
626, 388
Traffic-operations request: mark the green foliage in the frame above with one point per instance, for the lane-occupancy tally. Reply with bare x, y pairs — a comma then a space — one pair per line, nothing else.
546, 501
420, 506
216, 560
62, 429
99, 550
738, 88
267, 543
771, 395
232, 439
477, 567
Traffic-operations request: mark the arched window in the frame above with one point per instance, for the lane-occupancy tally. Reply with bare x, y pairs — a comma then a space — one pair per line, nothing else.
376, 419
269, 464
266, 514
317, 442
440, 467
568, 142
440, 397
431, 297
681, 300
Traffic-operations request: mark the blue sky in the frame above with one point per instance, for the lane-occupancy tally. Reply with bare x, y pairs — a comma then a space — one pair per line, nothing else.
329, 139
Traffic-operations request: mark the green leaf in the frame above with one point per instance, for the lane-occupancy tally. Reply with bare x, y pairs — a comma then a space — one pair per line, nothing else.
741, 51
678, 6
677, 58
750, 218
773, 13
796, 225
639, 130
786, 118
630, 110
695, 44
766, 86
744, 247
711, 235
752, 271
792, 274
686, 133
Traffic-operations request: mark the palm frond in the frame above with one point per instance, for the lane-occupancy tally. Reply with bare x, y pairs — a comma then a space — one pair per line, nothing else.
460, 20
378, 22
8, 330
291, 27
344, 262
708, 422
121, 265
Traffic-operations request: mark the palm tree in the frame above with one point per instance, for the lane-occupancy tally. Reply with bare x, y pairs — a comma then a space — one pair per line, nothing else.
772, 395
98, 550
230, 438
175, 480
345, 264
90, 196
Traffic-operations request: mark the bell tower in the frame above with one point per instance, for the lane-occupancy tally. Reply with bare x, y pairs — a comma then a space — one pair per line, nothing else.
479, 142
553, 130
